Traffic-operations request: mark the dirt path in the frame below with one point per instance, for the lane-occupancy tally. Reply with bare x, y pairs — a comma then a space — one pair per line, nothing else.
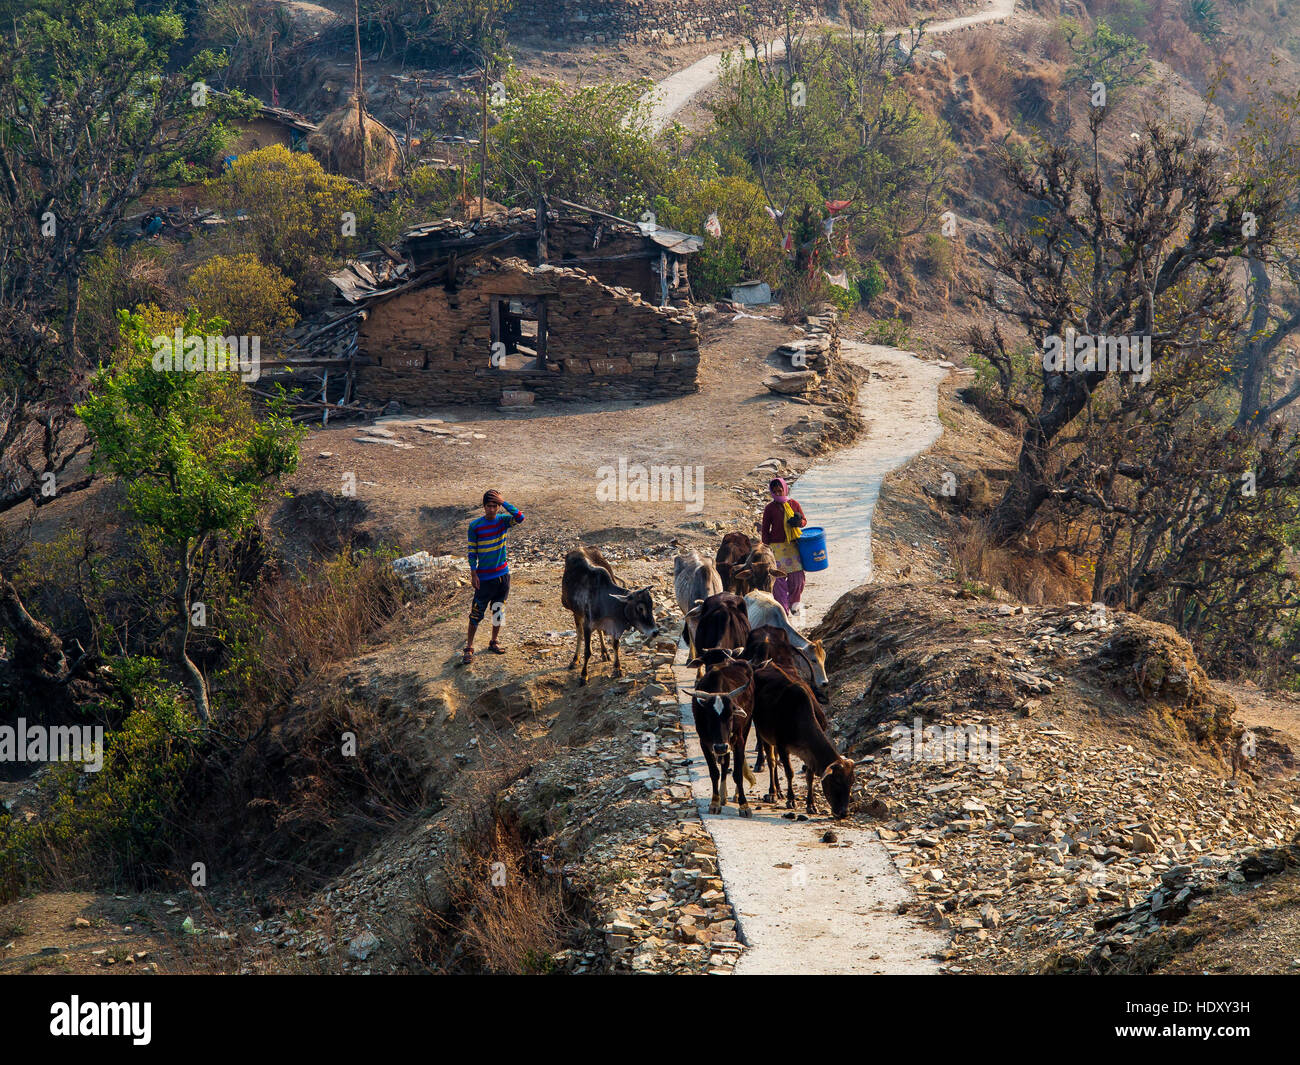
676, 91
806, 906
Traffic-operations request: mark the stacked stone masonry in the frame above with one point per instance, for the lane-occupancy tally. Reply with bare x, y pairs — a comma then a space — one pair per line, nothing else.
432, 345
662, 21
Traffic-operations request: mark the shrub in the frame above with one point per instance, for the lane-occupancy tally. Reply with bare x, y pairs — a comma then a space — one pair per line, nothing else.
295, 210
749, 247
122, 820
871, 282
255, 299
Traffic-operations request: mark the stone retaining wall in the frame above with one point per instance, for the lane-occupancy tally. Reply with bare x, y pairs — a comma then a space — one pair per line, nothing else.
664, 21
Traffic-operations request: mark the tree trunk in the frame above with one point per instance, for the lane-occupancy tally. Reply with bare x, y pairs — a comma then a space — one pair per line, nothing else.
1256, 368
198, 686
37, 652
1064, 397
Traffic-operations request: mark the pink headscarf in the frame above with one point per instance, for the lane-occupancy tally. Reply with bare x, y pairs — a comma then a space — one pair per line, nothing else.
783, 489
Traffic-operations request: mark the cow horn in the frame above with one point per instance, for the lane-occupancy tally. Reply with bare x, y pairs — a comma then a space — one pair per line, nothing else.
735, 691
621, 598
693, 693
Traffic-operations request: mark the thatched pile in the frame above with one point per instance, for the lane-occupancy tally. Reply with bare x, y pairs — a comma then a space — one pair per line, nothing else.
337, 144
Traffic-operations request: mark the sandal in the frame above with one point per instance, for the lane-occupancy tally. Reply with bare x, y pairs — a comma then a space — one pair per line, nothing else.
495, 648
467, 656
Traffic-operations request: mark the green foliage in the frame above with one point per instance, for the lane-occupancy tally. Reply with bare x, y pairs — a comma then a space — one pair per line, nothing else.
749, 247
253, 298
590, 144
1203, 17
121, 820
423, 192
195, 458
839, 127
892, 332
871, 283
294, 209
1118, 60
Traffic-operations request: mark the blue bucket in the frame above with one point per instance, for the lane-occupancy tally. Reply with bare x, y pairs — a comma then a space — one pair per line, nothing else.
812, 549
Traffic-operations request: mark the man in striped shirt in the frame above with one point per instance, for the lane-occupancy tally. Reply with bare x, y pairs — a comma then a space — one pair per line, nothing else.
488, 567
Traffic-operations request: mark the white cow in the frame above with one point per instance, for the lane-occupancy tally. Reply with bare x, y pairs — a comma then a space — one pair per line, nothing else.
763, 609
694, 580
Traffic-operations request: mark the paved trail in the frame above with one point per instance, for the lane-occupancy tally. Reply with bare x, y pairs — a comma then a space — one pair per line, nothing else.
677, 90
805, 906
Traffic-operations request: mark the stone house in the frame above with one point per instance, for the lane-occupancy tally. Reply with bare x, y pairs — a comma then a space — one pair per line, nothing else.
466, 312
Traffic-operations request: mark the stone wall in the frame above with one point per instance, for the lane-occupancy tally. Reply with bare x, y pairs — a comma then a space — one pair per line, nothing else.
602, 342
665, 21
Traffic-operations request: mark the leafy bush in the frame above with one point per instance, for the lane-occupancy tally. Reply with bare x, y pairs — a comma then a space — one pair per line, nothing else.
294, 209
590, 144
255, 299
122, 820
871, 283
749, 247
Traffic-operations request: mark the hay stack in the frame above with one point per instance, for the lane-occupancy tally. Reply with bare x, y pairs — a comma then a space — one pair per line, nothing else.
337, 145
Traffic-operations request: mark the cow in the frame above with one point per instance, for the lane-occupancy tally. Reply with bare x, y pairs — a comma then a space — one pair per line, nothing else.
720, 621
785, 718
767, 643
723, 702
694, 580
734, 550
589, 590
757, 573
763, 610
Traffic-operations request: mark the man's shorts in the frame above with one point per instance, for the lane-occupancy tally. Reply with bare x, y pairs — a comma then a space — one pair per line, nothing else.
488, 592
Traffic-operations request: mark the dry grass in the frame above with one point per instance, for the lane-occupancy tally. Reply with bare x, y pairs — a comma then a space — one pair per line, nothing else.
501, 914
1028, 577
325, 615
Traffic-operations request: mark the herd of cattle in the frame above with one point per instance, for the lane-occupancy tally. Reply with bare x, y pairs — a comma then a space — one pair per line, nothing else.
754, 668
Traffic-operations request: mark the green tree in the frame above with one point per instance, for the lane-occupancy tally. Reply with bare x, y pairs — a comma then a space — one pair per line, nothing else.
196, 458
92, 113
253, 298
590, 144
297, 215
1118, 60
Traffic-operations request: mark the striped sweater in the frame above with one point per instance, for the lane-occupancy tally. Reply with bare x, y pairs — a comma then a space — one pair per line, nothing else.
487, 542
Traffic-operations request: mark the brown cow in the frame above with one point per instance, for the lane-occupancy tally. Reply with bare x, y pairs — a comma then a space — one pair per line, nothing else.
757, 573
785, 717
767, 643
723, 702
734, 550
722, 620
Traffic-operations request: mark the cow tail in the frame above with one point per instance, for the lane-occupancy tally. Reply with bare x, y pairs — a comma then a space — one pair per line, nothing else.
750, 779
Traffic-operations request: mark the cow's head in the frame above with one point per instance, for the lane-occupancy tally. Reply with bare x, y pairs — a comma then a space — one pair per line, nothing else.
689, 560
639, 611
758, 572
837, 783
716, 714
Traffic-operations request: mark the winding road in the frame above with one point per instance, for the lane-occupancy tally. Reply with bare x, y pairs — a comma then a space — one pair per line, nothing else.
805, 906
676, 91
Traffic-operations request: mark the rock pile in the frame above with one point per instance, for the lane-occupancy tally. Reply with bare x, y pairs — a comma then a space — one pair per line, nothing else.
992, 755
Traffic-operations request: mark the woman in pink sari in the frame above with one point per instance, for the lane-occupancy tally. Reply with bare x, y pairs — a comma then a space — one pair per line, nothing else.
782, 518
